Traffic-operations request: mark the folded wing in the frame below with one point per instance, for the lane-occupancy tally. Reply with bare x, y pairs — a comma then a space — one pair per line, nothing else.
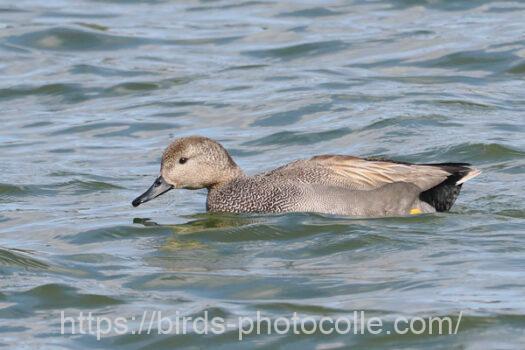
368, 174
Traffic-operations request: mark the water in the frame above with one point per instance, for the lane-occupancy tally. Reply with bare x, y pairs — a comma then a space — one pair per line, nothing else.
92, 91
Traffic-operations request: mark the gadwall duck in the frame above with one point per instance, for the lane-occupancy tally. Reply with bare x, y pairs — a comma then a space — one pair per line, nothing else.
330, 184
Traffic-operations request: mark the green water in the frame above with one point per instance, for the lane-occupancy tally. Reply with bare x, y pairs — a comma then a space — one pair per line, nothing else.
92, 91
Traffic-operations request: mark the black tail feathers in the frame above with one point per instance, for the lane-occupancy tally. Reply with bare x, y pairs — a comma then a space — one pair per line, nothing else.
443, 196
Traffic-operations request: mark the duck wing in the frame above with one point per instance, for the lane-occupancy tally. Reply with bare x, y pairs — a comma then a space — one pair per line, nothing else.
369, 174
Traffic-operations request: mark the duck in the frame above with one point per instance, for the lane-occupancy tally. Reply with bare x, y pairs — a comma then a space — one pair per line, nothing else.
327, 184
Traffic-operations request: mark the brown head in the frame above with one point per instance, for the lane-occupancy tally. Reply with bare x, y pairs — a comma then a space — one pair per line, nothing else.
191, 162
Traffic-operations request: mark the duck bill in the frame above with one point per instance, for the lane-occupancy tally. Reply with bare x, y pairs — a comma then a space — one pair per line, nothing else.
159, 187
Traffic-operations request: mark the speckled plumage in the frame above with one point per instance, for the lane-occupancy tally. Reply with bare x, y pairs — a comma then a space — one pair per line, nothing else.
300, 188
331, 184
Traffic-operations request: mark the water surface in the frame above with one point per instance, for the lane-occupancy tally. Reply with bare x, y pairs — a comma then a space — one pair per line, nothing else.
92, 91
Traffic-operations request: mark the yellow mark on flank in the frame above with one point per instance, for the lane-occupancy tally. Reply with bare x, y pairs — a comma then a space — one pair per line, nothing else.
415, 211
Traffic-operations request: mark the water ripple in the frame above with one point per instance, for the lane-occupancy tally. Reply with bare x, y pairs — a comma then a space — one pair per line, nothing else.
66, 39
299, 51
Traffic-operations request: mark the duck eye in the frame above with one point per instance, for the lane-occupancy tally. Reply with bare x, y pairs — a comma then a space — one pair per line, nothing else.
183, 160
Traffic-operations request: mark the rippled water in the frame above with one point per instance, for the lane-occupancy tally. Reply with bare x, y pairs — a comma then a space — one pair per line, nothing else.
92, 91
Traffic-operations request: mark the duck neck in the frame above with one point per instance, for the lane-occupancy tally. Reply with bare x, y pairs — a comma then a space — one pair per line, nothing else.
229, 175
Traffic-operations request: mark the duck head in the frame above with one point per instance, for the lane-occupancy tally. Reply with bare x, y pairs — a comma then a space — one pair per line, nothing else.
191, 162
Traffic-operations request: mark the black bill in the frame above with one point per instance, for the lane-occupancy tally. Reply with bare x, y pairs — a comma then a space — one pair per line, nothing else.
159, 187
